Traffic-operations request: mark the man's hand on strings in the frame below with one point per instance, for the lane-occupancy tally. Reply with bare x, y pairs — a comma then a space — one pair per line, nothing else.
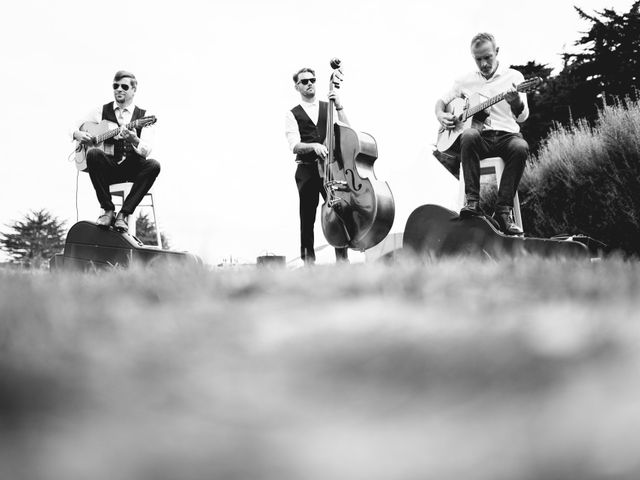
85, 138
130, 136
320, 150
447, 120
512, 96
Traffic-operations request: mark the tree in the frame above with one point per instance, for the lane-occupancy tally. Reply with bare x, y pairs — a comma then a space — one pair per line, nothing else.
608, 64
35, 239
146, 232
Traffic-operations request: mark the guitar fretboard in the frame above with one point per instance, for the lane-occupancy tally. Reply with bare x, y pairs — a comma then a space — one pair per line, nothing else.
114, 132
523, 87
484, 105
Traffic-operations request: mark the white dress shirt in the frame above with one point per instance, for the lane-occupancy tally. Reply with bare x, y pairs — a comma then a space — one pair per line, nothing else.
500, 115
291, 125
146, 137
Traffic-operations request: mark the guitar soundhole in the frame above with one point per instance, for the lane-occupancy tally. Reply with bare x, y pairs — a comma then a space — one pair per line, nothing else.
353, 180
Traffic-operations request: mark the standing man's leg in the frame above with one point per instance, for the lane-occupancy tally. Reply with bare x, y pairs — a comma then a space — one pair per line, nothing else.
342, 253
307, 180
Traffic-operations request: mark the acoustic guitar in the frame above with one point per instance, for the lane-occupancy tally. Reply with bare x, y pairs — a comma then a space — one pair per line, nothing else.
104, 131
464, 110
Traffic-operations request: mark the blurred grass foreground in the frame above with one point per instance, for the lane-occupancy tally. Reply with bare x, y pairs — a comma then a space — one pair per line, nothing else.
450, 370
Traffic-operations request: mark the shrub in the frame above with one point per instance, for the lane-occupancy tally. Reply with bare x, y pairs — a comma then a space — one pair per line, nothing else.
586, 179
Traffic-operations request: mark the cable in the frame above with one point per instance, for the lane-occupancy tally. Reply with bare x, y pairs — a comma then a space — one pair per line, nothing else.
77, 178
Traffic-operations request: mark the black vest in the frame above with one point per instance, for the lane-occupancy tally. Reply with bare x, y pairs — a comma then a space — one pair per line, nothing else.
309, 131
121, 147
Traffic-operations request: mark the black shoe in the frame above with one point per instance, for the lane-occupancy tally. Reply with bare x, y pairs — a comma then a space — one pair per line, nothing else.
106, 219
471, 209
506, 223
122, 223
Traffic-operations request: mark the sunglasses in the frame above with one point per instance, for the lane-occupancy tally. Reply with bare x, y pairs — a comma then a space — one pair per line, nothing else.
305, 81
123, 86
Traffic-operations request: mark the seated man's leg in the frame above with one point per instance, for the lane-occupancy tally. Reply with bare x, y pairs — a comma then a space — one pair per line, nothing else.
101, 169
143, 174
472, 149
514, 150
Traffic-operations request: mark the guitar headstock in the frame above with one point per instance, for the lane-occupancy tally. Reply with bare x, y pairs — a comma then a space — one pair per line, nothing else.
145, 121
529, 84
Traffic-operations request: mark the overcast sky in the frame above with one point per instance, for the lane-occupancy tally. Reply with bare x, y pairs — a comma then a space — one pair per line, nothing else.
218, 77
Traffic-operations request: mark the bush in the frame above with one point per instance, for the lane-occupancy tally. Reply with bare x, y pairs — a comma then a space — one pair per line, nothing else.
586, 179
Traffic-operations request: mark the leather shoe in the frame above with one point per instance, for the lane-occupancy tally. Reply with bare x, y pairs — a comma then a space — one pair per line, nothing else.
471, 209
506, 223
106, 219
121, 223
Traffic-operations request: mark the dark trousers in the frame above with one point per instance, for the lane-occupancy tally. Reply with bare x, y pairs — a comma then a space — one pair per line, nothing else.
511, 147
104, 171
309, 186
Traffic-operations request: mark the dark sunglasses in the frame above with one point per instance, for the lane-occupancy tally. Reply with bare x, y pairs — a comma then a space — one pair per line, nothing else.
123, 86
304, 81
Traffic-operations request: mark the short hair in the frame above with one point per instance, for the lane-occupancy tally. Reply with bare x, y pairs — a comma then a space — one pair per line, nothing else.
302, 70
120, 74
483, 37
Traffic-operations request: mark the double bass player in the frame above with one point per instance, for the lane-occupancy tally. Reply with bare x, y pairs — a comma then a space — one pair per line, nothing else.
306, 131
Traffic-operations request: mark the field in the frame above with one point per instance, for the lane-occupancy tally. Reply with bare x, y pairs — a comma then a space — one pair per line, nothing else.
456, 369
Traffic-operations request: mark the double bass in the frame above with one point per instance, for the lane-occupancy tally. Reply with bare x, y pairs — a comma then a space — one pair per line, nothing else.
359, 209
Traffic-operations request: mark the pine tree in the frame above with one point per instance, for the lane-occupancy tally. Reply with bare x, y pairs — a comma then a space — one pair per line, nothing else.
34, 239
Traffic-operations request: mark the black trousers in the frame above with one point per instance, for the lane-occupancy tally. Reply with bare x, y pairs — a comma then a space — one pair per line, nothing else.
104, 171
309, 186
511, 147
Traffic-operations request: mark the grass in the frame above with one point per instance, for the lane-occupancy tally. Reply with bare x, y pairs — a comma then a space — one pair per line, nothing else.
452, 370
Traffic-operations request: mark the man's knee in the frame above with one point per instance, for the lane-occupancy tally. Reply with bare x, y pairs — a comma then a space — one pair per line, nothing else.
470, 136
95, 158
519, 148
153, 167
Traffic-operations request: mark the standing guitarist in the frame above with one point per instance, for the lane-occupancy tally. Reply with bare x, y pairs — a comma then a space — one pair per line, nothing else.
495, 132
305, 129
124, 157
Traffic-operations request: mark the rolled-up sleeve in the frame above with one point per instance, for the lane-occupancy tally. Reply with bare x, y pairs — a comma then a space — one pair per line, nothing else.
291, 130
519, 78
454, 92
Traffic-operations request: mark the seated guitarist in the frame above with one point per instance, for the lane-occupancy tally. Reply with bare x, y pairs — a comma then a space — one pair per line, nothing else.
129, 161
499, 134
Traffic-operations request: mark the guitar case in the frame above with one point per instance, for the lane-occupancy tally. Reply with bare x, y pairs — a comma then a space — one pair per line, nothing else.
434, 231
88, 247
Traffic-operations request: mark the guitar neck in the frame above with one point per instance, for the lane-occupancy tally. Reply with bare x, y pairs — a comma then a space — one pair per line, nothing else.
484, 105
114, 132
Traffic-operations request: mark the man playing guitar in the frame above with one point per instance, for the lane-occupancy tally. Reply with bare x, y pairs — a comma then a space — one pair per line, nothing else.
122, 158
495, 131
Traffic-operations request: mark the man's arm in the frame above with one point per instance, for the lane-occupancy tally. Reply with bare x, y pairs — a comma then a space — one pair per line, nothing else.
295, 144
84, 137
518, 101
143, 144
447, 119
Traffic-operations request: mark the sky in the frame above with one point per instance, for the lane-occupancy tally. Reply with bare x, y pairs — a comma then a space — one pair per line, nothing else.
218, 77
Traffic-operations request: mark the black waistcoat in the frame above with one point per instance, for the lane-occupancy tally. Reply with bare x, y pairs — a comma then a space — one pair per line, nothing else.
309, 131
121, 147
